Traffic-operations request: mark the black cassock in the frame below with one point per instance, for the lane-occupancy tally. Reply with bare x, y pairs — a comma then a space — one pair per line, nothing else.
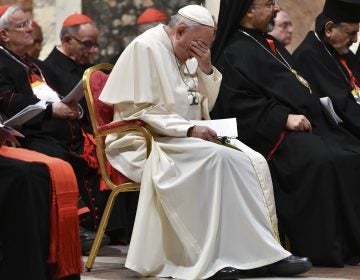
315, 175
24, 216
320, 64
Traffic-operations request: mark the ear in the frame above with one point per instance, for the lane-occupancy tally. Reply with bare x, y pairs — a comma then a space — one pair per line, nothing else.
180, 30
66, 39
329, 28
4, 35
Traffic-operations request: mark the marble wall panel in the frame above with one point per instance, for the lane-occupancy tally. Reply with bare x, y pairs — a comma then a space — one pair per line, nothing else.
116, 20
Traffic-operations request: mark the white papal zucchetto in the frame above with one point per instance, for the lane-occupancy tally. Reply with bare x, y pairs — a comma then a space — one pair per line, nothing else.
198, 14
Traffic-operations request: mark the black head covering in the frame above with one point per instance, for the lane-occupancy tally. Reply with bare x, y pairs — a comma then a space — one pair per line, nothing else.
230, 14
342, 10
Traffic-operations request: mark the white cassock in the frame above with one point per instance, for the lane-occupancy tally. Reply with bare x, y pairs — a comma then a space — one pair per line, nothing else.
202, 206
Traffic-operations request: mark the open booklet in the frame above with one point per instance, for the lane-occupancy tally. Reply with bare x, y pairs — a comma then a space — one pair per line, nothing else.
223, 127
75, 94
26, 114
32, 110
8, 134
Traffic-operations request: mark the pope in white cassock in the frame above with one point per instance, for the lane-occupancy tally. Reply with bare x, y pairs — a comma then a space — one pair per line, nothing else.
204, 208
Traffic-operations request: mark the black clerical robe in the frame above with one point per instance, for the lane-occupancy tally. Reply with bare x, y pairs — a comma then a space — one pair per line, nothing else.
52, 136
320, 64
24, 216
315, 175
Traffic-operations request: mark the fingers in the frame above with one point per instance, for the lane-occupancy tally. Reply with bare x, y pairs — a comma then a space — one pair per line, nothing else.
298, 123
305, 124
203, 132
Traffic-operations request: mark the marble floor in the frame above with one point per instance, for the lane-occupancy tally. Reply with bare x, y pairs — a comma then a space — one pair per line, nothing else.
109, 265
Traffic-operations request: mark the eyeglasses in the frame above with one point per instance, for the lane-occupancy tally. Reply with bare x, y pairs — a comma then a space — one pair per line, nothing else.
269, 4
86, 44
22, 26
284, 25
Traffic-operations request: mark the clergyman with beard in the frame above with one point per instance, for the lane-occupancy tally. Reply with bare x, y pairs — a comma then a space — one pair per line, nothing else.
327, 63
314, 163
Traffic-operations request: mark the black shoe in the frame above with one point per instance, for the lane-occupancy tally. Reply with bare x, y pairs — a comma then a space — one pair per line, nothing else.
87, 238
226, 273
290, 266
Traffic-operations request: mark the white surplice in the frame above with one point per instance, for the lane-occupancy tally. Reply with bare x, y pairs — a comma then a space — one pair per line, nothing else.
202, 206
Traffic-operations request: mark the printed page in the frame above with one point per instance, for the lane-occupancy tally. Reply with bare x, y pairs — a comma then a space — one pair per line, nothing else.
223, 127
26, 114
75, 94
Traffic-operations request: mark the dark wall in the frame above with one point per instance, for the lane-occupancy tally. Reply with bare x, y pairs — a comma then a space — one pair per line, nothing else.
116, 20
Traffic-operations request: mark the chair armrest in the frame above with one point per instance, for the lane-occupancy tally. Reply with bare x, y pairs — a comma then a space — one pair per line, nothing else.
127, 126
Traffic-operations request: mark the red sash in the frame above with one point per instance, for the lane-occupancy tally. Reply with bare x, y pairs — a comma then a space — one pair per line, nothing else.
65, 249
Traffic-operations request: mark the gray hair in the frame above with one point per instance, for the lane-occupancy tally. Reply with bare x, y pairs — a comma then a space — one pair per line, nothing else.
179, 19
4, 19
70, 30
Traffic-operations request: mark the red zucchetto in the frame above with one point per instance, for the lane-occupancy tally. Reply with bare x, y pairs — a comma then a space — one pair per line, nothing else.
3, 9
151, 15
76, 19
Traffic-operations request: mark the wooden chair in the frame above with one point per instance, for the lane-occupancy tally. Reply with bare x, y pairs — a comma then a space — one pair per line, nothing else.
101, 116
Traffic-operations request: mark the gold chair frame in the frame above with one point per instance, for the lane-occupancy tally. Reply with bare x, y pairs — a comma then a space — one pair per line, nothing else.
100, 151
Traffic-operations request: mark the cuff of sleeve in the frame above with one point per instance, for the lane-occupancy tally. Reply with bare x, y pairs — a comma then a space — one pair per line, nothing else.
48, 110
215, 76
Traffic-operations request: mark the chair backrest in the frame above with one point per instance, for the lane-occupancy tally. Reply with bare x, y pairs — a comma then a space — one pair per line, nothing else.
100, 113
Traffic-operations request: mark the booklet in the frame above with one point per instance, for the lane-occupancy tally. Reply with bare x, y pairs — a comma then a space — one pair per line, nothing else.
223, 127
75, 94
26, 114
8, 134
328, 105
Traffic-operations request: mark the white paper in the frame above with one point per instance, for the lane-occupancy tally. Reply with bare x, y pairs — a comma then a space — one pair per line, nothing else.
328, 105
223, 127
26, 114
75, 94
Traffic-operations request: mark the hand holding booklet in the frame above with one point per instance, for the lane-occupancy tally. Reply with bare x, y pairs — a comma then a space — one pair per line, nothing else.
32, 110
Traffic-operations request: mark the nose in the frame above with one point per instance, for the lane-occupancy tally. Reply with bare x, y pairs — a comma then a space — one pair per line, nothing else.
276, 6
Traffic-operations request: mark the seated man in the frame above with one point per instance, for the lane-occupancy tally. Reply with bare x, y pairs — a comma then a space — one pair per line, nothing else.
37, 224
325, 60
68, 61
313, 162
282, 28
57, 131
203, 207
